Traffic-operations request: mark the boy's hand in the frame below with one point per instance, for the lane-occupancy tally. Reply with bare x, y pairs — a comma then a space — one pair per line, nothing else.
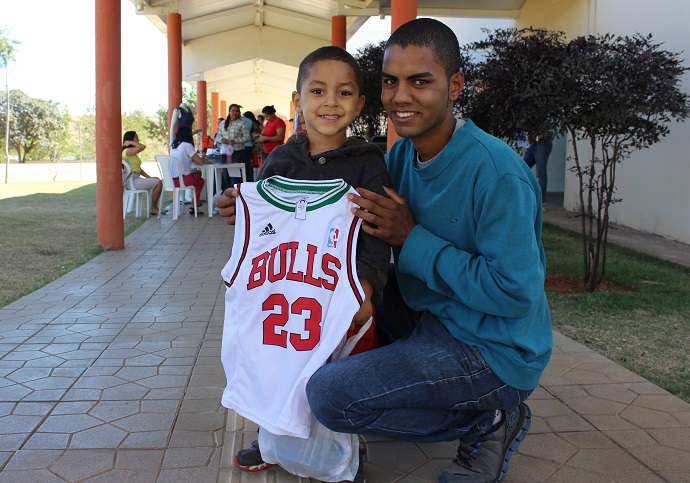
226, 203
363, 314
366, 309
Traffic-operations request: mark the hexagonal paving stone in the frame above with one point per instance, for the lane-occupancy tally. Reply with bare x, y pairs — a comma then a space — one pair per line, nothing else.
146, 422
71, 423
105, 436
76, 465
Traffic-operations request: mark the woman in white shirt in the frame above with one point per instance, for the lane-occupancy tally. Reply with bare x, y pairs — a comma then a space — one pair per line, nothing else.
183, 149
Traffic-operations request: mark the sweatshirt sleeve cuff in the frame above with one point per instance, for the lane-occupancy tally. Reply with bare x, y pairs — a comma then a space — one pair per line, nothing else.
416, 251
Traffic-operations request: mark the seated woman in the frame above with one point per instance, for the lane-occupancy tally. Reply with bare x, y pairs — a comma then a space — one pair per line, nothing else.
131, 147
183, 149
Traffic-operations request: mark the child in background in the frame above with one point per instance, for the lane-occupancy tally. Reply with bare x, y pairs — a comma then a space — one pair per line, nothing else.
329, 95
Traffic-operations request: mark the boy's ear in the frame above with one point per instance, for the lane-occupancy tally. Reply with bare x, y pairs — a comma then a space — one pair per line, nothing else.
360, 104
296, 100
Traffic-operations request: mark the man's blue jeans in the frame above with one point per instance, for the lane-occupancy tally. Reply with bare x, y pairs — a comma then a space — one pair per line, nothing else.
424, 387
539, 154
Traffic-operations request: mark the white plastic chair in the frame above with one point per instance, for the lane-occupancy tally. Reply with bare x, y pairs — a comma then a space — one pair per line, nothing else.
130, 194
164, 162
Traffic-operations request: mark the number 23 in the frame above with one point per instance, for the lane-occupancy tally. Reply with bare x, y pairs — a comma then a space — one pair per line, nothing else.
312, 324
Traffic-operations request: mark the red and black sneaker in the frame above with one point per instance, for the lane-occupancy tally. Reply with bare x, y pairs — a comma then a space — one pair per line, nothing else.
249, 459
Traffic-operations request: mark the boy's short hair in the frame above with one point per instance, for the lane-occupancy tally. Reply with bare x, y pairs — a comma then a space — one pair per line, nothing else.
330, 52
437, 36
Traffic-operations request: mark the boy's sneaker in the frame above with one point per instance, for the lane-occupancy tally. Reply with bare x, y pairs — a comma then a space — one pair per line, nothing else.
249, 459
486, 461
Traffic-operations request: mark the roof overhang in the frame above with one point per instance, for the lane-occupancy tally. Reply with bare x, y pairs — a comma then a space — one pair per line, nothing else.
248, 51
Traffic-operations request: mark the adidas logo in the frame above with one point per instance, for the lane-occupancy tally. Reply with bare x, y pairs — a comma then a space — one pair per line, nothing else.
268, 230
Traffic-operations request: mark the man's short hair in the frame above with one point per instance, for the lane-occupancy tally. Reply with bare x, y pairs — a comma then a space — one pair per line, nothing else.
330, 52
437, 36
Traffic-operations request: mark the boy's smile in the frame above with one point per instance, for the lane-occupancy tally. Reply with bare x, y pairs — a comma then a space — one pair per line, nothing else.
329, 100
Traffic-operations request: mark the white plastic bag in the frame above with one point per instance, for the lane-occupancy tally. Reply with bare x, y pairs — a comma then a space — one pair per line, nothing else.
325, 455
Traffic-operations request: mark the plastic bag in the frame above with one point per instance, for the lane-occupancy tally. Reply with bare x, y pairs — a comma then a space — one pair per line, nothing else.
325, 455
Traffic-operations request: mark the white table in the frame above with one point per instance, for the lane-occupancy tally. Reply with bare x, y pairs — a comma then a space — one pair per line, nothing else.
212, 175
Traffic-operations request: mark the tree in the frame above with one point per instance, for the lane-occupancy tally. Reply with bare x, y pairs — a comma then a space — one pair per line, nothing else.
157, 128
620, 95
372, 120
7, 56
518, 87
34, 123
615, 93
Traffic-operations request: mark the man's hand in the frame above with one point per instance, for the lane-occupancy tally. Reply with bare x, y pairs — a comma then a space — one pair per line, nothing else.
226, 203
388, 219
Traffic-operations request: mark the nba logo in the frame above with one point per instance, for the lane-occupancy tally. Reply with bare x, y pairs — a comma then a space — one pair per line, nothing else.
333, 238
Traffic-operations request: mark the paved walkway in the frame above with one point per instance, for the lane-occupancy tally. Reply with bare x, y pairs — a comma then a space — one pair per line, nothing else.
112, 374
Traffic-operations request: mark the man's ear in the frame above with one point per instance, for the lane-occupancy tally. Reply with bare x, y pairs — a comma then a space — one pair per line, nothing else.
457, 80
360, 104
296, 100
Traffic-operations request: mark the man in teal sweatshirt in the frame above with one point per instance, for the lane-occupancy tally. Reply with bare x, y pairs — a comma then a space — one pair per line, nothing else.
465, 323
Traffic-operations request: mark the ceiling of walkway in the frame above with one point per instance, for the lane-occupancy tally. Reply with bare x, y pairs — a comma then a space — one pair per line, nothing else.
248, 50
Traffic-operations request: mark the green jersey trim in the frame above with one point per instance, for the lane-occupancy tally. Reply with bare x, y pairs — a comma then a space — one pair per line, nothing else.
284, 193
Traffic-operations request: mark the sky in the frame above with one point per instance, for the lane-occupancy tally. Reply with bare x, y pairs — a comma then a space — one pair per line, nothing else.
55, 58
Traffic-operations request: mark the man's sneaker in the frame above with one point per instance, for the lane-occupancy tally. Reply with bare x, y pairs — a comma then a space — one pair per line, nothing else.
249, 459
486, 461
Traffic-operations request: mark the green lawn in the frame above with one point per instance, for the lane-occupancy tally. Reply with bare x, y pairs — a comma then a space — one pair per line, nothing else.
47, 229
646, 330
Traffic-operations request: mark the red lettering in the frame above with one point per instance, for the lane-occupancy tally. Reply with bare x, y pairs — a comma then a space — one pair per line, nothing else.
272, 275
309, 276
275, 320
312, 324
326, 262
258, 274
292, 275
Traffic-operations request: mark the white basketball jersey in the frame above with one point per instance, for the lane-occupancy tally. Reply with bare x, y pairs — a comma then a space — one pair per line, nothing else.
292, 290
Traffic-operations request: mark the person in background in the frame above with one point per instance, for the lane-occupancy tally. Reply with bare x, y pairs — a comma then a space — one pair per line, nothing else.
131, 147
262, 120
255, 132
216, 136
274, 130
183, 149
538, 152
249, 145
235, 132
301, 127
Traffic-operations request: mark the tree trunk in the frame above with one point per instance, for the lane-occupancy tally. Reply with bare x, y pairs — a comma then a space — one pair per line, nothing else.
7, 129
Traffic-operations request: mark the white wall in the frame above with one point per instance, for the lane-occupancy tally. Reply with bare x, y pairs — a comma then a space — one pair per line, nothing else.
653, 184
63, 171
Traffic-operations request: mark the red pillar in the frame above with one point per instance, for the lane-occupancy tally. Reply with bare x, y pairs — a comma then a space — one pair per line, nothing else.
223, 109
401, 11
110, 228
215, 112
338, 31
201, 107
174, 22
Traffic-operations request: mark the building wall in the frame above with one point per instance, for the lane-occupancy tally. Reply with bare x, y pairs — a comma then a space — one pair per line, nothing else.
653, 183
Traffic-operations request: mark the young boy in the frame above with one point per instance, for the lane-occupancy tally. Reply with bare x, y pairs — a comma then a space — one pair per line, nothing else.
329, 95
